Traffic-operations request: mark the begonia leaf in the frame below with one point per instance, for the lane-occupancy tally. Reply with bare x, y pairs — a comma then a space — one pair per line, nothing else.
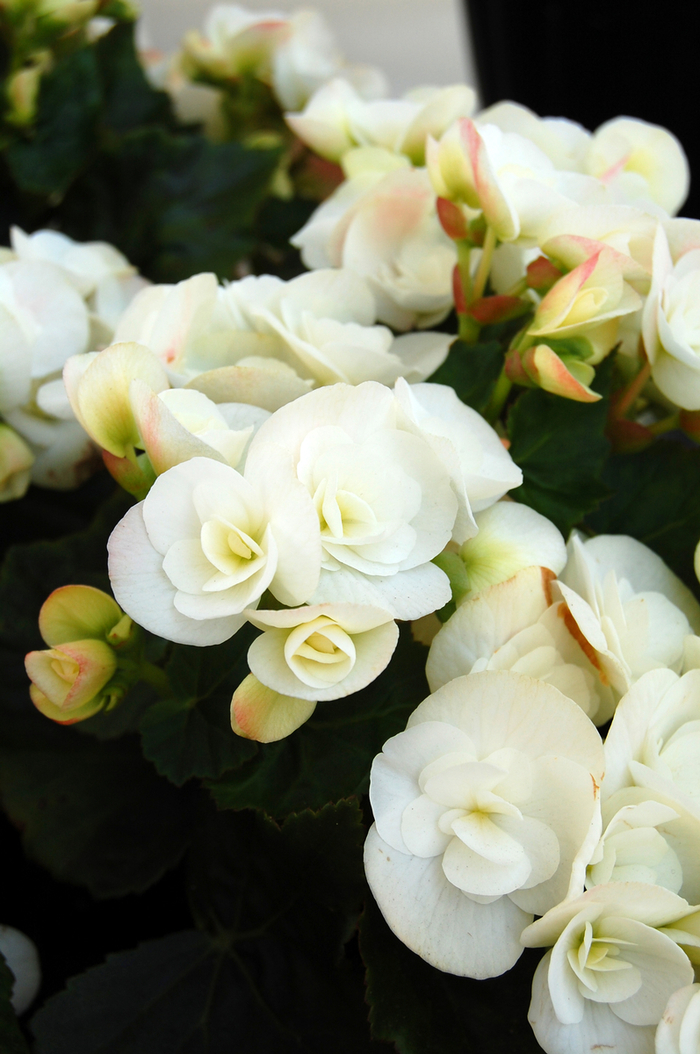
64, 133
656, 499
190, 734
561, 447
129, 100
472, 370
329, 757
267, 980
412, 1003
11, 1039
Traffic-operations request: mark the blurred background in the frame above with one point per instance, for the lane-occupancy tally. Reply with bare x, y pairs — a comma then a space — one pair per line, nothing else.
588, 63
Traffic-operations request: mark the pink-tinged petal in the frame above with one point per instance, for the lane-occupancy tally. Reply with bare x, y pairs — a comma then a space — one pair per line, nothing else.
555, 306
146, 593
498, 212
60, 716
436, 920
260, 713
165, 440
546, 368
77, 612
72, 674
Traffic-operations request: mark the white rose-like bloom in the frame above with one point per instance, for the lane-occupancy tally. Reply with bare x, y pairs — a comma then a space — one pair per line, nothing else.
511, 537
642, 160
671, 324
480, 467
337, 119
322, 652
564, 142
654, 740
514, 626
631, 611
649, 837
606, 981
679, 1028
383, 225
382, 498
484, 809
206, 543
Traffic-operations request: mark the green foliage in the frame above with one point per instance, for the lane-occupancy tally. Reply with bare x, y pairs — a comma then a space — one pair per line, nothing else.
561, 447
190, 734
330, 756
655, 497
11, 1038
267, 976
472, 370
423, 1010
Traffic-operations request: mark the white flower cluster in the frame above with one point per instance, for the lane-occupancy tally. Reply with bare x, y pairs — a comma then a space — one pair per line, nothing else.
345, 497
58, 298
500, 802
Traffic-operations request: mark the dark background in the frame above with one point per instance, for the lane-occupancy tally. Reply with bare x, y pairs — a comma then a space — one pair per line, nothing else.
592, 61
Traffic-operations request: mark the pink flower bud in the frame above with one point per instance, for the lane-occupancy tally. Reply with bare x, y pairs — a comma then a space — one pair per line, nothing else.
68, 680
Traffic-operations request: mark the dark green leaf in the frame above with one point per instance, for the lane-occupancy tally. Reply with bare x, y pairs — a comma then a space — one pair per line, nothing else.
30, 572
423, 1010
330, 756
267, 980
129, 100
11, 1038
472, 370
64, 134
190, 735
93, 813
561, 447
655, 498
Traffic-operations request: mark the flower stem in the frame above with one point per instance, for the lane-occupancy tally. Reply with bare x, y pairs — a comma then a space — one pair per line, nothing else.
464, 249
156, 677
629, 394
666, 424
498, 397
482, 271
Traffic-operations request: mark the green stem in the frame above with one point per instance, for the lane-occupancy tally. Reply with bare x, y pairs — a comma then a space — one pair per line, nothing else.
482, 271
629, 394
156, 677
666, 424
464, 249
498, 397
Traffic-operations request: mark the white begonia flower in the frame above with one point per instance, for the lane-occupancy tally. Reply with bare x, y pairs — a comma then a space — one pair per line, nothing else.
337, 119
178, 423
630, 611
514, 626
570, 234
322, 652
696, 561
383, 224
649, 836
511, 537
678, 1031
480, 468
236, 42
642, 160
325, 322
383, 500
43, 320
671, 324
206, 543
16, 461
101, 274
505, 175
654, 740
564, 142
64, 455
21, 956
607, 980
484, 811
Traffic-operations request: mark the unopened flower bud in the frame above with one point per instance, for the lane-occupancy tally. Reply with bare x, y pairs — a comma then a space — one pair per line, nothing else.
67, 681
22, 91
16, 460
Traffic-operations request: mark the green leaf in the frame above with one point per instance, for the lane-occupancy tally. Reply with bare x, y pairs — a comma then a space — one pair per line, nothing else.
129, 100
64, 134
93, 813
561, 447
190, 735
423, 1010
268, 979
472, 370
330, 756
656, 499
11, 1038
